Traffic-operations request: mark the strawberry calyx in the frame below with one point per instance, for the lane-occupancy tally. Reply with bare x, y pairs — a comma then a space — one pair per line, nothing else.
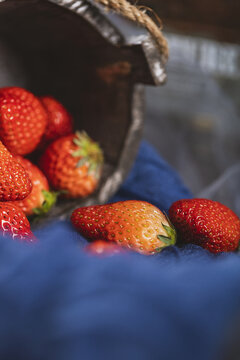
168, 240
88, 151
50, 198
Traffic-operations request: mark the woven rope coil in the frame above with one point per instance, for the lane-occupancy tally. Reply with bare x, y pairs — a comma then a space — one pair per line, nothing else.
138, 15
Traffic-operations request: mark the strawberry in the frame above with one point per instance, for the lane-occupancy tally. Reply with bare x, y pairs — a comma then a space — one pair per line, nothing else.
134, 224
73, 163
59, 120
103, 248
14, 223
206, 223
23, 120
15, 183
40, 200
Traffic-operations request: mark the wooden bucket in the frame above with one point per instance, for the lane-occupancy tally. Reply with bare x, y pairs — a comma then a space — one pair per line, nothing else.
70, 50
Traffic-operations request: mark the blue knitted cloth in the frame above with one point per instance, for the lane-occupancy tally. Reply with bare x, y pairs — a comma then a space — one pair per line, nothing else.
58, 303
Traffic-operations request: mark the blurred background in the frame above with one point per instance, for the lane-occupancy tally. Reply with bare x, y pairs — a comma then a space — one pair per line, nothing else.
194, 119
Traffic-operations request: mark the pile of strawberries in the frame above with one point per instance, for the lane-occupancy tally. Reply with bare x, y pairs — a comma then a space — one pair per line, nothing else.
71, 165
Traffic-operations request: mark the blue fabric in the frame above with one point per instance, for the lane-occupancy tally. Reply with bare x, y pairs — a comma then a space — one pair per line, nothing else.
152, 180
56, 302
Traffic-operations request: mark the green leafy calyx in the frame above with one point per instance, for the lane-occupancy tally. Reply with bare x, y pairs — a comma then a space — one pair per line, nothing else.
88, 152
168, 239
50, 199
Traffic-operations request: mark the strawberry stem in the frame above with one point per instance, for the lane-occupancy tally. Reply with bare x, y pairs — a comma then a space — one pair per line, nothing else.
88, 152
50, 199
168, 240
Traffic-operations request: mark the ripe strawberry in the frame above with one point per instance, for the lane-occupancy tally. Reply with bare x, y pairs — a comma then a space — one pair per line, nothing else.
134, 224
15, 183
22, 120
59, 120
73, 163
206, 223
103, 248
40, 200
14, 223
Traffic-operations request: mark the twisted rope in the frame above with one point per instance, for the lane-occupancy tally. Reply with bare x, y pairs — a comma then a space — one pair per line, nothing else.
138, 15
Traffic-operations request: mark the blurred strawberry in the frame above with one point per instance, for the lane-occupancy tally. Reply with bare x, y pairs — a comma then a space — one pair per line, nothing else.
15, 183
206, 223
103, 248
59, 120
73, 164
22, 120
14, 223
40, 200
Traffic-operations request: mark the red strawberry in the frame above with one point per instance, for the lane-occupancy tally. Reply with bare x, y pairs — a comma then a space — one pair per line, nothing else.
73, 163
103, 248
40, 199
134, 224
206, 223
14, 223
59, 120
23, 120
15, 183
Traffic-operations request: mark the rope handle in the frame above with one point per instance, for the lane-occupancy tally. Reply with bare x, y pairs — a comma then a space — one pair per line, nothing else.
138, 14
